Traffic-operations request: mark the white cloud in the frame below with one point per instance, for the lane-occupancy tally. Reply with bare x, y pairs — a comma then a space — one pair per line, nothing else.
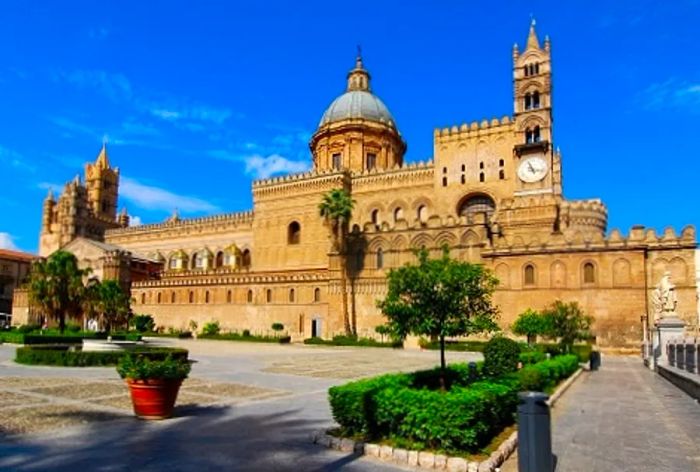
263, 167
6, 241
672, 93
15, 160
155, 198
135, 220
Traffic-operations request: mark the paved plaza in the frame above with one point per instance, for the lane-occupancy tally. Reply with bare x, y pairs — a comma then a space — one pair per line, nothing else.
253, 407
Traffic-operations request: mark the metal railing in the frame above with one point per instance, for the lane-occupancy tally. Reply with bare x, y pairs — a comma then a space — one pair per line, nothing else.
683, 353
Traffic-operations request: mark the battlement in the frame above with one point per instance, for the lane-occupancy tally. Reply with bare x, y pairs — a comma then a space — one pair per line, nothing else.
238, 218
475, 128
592, 205
291, 178
231, 277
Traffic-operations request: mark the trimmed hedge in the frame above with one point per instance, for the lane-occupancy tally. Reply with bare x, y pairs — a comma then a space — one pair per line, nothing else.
17, 336
532, 357
501, 356
64, 356
12, 336
248, 338
583, 351
465, 418
352, 341
460, 346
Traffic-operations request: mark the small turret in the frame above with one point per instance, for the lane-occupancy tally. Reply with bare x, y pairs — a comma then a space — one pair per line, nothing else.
358, 78
123, 219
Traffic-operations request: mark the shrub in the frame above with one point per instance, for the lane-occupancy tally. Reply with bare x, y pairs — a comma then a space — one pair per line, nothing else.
501, 356
277, 326
583, 351
143, 323
544, 375
342, 340
63, 356
531, 324
532, 357
211, 329
461, 346
455, 374
248, 338
73, 327
246, 332
136, 367
29, 328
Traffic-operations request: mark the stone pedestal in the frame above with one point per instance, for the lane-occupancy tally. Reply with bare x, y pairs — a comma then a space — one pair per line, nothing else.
666, 329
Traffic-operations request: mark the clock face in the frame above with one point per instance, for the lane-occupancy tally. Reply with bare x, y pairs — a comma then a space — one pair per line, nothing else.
532, 169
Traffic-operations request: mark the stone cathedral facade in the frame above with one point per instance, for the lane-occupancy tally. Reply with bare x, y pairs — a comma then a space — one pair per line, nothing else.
493, 193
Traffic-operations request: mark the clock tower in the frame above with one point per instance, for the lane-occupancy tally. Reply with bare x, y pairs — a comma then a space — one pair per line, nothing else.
538, 165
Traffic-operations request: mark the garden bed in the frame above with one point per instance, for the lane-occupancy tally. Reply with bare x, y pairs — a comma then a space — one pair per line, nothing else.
413, 413
16, 336
583, 351
66, 356
251, 338
352, 341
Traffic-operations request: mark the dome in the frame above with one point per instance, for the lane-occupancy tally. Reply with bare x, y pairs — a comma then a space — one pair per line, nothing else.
357, 104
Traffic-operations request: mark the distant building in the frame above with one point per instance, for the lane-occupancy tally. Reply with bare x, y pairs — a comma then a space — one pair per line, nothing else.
493, 194
14, 267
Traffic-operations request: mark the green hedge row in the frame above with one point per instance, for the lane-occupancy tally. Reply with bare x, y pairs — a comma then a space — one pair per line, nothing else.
461, 346
249, 338
18, 337
409, 407
352, 341
62, 356
583, 351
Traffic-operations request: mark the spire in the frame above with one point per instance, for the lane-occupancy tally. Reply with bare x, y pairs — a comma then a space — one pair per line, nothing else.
532, 41
49, 197
102, 160
358, 78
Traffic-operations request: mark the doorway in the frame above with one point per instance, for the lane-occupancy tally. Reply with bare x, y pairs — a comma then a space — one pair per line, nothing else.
316, 330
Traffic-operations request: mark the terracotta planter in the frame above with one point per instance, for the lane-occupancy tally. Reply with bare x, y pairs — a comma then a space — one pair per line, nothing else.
154, 399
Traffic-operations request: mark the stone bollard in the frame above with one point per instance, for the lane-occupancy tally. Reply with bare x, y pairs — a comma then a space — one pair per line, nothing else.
534, 433
690, 350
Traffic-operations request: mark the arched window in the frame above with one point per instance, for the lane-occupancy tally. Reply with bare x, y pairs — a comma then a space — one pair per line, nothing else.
268, 295
291, 295
398, 214
536, 135
444, 181
173, 262
198, 260
463, 179
501, 175
529, 275
537, 68
337, 160
191, 296
380, 258
317, 294
528, 101
371, 160
172, 297
481, 165
481, 177
228, 296
219, 259
422, 213
158, 297
250, 296
501, 162
536, 100
526, 71
375, 216
294, 233
143, 299
206, 296
528, 136
359, 260
477, 204
588, 273
245, 258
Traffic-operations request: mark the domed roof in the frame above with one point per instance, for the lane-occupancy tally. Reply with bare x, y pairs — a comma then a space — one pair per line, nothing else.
357, 104
358, 101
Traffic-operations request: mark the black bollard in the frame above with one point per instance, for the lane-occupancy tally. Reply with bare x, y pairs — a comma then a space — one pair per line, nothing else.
534, 433
594, 360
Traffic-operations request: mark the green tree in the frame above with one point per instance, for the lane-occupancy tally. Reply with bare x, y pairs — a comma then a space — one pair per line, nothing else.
440, 298
56, 286
113, 303
530, 323
336, 210
568, 323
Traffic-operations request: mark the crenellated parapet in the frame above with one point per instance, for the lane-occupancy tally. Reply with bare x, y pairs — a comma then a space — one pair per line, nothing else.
232, 277
585, 215
299, 184
243, 218
576, 240
475, 129
410, 174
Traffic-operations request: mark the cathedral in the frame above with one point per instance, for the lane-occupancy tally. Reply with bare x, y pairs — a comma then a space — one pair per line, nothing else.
493, 193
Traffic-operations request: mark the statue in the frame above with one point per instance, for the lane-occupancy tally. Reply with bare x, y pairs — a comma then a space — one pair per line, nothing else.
664, 298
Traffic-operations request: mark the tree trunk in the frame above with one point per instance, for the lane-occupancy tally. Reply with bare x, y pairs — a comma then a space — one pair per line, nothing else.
349, 331
61, 322
531, 339
443, 385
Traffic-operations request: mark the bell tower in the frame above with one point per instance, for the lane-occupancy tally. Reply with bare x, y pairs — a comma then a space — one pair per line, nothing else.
102, 182
538, 164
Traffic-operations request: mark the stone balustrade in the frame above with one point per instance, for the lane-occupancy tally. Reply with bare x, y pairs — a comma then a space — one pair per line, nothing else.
683, 353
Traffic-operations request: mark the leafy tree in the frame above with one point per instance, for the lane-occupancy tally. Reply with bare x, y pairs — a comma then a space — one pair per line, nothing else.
568, 322
113, 303
143, 323
277, 327
440, 298
531, 323
56, 287
336, 210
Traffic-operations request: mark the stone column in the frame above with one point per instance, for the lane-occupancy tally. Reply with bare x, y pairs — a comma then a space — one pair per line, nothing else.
666, 329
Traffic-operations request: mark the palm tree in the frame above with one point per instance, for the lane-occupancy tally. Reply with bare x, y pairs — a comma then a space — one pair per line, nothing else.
114, 303
56, 286
336, 210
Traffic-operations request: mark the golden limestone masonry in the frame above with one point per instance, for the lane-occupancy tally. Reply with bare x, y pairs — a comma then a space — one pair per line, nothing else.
493, 193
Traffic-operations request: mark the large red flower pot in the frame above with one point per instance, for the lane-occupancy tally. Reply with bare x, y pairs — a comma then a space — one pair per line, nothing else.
154, 399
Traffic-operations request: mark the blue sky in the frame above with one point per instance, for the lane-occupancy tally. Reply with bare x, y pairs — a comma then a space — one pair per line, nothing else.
197, 99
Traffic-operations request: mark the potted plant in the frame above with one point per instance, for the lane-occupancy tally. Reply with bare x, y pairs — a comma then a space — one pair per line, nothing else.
153, 384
